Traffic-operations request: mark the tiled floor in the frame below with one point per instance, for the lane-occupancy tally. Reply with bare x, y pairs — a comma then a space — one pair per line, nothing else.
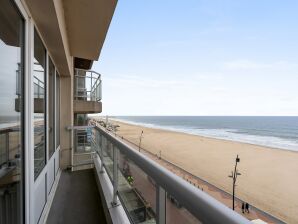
77, 199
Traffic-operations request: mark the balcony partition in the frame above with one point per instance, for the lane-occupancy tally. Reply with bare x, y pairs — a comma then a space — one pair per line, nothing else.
84, 147
149, 193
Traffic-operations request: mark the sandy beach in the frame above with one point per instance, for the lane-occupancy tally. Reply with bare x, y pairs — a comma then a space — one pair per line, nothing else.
268, 176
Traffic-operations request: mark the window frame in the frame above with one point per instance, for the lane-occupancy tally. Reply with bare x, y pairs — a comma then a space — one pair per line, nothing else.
23, 134
51, 108
57, 109
46, 76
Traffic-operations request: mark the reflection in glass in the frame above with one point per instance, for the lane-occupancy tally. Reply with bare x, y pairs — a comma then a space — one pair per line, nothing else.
51, 124
81, 119
39, 104
11, 112
137, 191
176, 213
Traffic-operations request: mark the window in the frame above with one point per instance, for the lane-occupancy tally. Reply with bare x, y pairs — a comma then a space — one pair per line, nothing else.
11, 113
39, 78
51, 108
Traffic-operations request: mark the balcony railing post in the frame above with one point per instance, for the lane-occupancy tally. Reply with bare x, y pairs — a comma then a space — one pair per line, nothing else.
160, 205
115, 175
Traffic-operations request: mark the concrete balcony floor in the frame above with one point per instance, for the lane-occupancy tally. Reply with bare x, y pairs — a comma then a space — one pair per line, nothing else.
87, 107
77, 199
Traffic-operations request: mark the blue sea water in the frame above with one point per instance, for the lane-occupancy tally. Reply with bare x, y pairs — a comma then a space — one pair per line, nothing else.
277, 132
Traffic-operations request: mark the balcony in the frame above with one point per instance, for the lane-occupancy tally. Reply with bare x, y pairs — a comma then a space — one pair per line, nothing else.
10, 166
87, 92
77, 199
135, 189
38, 90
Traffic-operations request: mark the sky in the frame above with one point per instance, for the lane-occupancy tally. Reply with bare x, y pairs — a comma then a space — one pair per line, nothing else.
9, 57
201, 57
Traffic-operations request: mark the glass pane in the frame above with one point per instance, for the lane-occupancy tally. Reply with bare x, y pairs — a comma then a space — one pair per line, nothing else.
39, 104
57, 110
176, 213
137, 191
83, 140
81, 119
51, 108
11, 112
107, 156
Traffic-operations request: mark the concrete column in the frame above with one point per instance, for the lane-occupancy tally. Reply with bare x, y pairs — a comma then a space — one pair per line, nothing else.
66, 120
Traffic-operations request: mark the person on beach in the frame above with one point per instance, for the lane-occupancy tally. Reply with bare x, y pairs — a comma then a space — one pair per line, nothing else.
247, 207
242, 207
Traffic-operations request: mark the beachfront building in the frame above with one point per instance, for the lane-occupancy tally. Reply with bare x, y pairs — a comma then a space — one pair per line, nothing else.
56, 165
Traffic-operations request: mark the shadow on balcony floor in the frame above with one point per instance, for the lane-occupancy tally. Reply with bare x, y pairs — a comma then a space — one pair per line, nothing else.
77, 199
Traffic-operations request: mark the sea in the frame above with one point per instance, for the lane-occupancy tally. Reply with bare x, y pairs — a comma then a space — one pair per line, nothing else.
272, 131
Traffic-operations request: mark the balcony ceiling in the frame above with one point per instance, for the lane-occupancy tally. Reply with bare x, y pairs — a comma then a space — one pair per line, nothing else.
49, 19
72, 28
87, 23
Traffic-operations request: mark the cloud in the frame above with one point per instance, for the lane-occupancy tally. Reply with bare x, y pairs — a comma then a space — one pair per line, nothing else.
253, 65
139, 81
244, 65
173, 43
197, 79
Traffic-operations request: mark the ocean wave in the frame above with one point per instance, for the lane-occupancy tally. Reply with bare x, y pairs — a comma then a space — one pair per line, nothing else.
226, 134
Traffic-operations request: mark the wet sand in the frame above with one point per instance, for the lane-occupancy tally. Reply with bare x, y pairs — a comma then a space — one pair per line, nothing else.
269, 177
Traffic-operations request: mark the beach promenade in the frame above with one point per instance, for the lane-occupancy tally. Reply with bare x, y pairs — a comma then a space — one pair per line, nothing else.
220, 191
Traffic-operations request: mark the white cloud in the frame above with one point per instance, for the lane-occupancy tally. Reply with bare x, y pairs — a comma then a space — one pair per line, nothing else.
244, 65
253, 65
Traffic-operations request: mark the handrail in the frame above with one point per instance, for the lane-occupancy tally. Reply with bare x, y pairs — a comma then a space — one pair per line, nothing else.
87, 90
200, 204
6, 152
79, 69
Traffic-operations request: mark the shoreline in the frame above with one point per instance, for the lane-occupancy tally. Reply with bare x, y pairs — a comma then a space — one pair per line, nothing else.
255, 212
201, 136
266, 180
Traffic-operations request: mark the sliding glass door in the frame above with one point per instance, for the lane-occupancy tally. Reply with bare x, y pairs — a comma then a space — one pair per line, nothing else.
51, 97
11, 113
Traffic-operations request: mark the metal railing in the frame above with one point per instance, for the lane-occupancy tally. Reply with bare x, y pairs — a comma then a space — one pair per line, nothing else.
150, 193
38, 84
87, 85
10, 164
9, 147
38, 87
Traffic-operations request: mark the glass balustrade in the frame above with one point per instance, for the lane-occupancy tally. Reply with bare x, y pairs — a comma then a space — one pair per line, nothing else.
151, 194
87, 85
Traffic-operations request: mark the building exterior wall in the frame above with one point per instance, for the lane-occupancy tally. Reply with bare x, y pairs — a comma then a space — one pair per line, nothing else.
47, 20
66, 111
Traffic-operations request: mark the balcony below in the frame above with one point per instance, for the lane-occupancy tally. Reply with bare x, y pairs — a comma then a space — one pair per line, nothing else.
87, 92
86, 107
77, 199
